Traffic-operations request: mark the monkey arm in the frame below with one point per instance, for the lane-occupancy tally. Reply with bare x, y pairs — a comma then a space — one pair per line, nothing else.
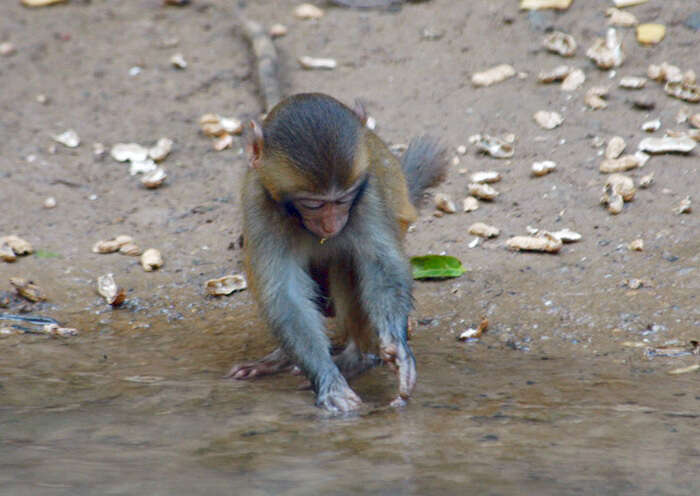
385, 285
286, 294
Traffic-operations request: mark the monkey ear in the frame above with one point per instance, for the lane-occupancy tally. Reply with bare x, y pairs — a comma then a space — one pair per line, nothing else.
255, 145
359, 108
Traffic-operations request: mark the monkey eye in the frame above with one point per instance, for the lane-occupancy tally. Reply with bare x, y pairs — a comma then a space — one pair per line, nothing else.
311, 204
344, 200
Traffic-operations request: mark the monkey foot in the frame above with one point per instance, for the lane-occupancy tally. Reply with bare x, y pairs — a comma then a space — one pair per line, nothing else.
352, 365
338, 398
273, 363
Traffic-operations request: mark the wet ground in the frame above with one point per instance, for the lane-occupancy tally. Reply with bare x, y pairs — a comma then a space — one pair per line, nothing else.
560, 396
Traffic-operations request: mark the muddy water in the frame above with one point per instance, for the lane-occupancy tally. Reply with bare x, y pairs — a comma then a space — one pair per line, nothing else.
130, 407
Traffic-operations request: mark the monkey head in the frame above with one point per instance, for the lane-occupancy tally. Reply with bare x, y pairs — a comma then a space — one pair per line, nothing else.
311, 157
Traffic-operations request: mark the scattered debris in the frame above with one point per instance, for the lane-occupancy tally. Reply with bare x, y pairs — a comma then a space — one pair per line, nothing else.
492, 145
646, 181
607, 53
544, 242
685, 207
469, 204
573, 81
307, 62
688, 92
277, 30
621, 185
112, 245
27, 289
561, 43
41, 3
68, 138
545, 4
632, 82
651, 126
622, 164
7, 49
543, 168
615, 147
215, 125
154, 178
494, 75
641, 157
142, 167
308, 11
566, 235
633, 283
695, 120
482, 191
98, 150
484, 230
130, 249
636, 245
129, 152
16, 246
617, 190
628, 3
178, 61
559, 73
614, 202
108, 289
665, 73
485, 177
226, 285
621, 18
56, 330
594, 97
223, 142
161, 149
444, 203
548, 120
151, 260
472, 333
6, 253
650, 34
667, 144
222, 128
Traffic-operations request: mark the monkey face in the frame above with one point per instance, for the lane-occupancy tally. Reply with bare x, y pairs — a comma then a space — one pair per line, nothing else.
326, 215
324, 218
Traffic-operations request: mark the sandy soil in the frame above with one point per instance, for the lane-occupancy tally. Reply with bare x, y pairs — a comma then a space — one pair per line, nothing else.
413, 68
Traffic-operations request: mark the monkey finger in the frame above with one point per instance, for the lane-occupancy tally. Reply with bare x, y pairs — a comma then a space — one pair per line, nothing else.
407, 378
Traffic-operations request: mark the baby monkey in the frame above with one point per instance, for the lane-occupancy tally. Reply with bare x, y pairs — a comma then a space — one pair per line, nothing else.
326, 206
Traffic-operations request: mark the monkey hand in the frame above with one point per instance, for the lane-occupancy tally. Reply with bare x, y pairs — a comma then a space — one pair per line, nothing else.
400, 358
337, 397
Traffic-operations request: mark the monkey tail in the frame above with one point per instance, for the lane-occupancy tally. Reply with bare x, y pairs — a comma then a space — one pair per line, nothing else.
424, 165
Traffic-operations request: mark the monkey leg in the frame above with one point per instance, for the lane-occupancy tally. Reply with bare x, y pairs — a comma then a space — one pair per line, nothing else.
273, 363
352, 362
355, 330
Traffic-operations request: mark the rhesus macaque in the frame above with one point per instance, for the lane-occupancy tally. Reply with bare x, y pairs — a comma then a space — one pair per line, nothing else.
326, 206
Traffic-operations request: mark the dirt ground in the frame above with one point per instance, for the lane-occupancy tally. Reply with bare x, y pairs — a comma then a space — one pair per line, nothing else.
562, 382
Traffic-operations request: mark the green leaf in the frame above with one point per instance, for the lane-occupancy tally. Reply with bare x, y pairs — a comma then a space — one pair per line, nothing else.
436, 266
47, 254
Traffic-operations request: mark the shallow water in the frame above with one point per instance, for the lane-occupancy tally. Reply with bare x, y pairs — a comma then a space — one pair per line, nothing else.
128, 410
